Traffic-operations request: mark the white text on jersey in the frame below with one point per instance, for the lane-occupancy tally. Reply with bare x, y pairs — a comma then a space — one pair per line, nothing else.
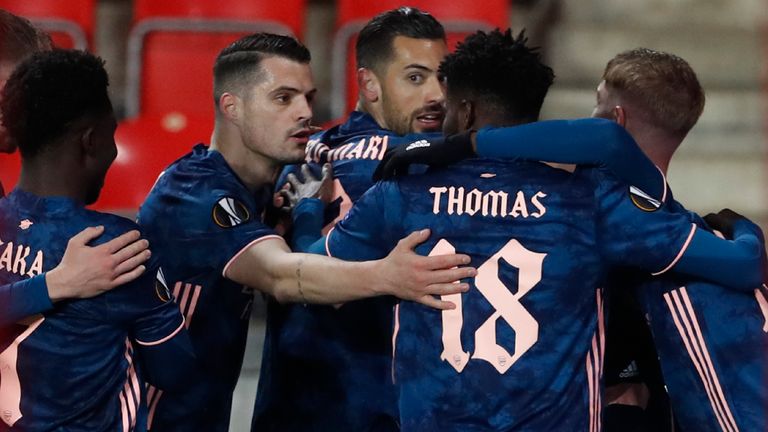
15, 259
454, 200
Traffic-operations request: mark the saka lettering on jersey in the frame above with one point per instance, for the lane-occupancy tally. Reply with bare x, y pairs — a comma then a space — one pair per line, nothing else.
371, 148
18, 259
456, 200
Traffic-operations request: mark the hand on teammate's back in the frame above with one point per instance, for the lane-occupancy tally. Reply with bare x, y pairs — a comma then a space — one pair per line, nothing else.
433, 152
87, 271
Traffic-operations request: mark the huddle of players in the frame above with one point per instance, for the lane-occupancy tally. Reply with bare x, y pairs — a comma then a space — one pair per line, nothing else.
521, 350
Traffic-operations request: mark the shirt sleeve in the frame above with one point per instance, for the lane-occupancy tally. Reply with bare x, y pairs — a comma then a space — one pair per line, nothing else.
633, 232
25, 298
591, 141
660, 240
364, 233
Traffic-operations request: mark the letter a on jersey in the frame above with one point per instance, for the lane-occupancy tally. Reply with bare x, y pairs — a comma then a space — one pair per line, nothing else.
229, 212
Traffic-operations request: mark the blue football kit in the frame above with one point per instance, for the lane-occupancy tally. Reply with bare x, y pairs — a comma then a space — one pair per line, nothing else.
198, 217
325, 367
80, 366
523, 349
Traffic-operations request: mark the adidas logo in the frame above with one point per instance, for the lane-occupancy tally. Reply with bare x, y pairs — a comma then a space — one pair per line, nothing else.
630, 371
417, 144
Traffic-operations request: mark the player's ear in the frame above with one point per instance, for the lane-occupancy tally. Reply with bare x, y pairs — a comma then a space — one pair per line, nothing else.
467, 114
619, 115
87, 142
369, 86
230, 106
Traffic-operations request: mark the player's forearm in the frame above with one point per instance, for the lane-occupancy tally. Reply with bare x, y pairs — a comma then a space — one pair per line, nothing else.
584, 141
22, 299
738, 264
307, 278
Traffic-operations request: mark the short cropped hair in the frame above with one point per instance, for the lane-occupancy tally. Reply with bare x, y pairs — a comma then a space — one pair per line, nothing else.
662, 84
239, 63
48, 92
374, 45
498, 69
19, 38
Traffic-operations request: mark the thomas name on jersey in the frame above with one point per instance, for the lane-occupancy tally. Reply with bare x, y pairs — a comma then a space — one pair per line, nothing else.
15, 259
371, 148
455, 200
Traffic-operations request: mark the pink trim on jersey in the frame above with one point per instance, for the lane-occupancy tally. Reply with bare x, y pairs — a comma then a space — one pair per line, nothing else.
152, 400
679, 254
176, 291
394, 340
763, 302
124, 413
193, 304
594, 366
687, 325
664, 179
158, 342
327, 244
184, 297
130, 395
254, 242
10, 385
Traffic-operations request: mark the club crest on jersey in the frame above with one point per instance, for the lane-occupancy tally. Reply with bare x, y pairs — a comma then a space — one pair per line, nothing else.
229, 212
642, 200
161, 287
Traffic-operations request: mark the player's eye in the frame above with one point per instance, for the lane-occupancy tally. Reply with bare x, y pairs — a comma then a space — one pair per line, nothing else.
416, 78
283, 98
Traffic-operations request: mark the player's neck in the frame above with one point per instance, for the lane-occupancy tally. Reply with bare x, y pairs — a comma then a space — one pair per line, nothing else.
657, 145
253, 169
52, 180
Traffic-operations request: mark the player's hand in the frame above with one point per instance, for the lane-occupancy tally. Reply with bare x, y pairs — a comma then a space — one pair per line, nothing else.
309, 187
434, 152
410, 276
724, 221
87, 271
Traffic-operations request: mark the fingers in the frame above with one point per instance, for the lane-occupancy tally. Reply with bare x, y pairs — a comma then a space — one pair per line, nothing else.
327, 172
122, 241
289, 199
132, 262
88, 234
435, 303
307, 174
414, 239
128, 277
450, 275
131, 250
293, 181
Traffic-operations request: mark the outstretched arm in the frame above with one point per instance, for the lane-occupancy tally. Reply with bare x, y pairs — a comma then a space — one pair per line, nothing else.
270, 267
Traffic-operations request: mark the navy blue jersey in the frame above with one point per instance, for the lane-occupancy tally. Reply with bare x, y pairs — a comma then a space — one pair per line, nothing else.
327, 368
73, 367
712, 343
523, 349
198, 217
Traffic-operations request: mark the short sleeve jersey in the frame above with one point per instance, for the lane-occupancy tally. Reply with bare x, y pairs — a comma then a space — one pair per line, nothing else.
712, 344
74, 367
523, 349
198, 217
327, 368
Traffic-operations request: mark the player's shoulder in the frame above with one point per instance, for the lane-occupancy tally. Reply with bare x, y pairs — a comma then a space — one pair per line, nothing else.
114, 225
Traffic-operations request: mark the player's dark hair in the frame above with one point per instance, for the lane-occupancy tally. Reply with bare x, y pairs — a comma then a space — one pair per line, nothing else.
19, 38
239, 63
48, 92
662, 84
374, 42
499, 69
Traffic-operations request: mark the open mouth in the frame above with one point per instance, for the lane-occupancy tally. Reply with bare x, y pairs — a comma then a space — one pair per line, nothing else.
431, 119
302, 135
